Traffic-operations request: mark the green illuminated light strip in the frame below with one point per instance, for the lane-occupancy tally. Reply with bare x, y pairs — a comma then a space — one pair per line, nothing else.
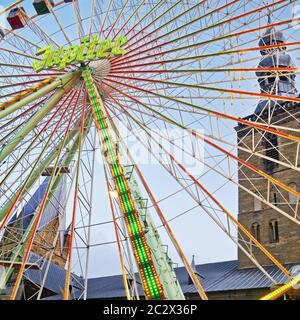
151, 283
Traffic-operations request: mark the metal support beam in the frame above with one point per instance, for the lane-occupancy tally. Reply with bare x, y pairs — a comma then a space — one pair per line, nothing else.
41, 167
37, 93
37, 117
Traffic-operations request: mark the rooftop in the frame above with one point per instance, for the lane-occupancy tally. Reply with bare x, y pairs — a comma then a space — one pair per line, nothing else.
219, 276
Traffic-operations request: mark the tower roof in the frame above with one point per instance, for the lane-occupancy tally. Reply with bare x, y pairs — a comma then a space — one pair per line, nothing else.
271, 36
274, 82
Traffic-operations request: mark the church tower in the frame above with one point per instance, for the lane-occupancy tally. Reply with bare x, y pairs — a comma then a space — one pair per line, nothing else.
263, 206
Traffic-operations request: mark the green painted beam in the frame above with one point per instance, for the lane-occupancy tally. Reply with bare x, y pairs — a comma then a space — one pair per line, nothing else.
32, 122
41, 167
18, 251
142, 252
161, 259
61, 81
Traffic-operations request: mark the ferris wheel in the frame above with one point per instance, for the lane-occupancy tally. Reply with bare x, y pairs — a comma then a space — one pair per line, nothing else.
206, 91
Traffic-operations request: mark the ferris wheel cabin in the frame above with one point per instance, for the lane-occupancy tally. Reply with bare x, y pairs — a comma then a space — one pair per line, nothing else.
16, 18
41, 6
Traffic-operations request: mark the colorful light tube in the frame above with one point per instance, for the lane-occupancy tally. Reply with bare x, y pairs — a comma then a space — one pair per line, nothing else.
150, 280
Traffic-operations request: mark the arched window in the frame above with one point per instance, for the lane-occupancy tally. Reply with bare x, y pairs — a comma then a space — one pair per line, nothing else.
274, 197
270, 144
292, 197
273, 231
255, 230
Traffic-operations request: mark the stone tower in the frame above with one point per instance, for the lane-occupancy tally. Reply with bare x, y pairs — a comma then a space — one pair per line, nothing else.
278, 234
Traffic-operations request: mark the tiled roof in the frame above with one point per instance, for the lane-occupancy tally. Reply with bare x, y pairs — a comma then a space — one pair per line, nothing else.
55, 280
220, 276
232, 278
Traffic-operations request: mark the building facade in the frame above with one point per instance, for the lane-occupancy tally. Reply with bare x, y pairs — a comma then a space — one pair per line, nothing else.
268, 210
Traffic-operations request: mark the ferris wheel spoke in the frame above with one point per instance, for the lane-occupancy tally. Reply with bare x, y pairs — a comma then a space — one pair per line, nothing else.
98, 8
162, 218
33, 93
214, 216
21, 43
230, 177
18, 53
240, 226
52, 11
18, 84
91, 17
171, 169
6, 125
125, 280
205, 42
18, 94
30, 75
248, 150
37, 30
117, 18
43, 128
16, 251
88, 170
129, 19
159, 16
21, 134
149, 12
76, 11
185, 36
75, 200
223, 90
35, 223
102, 26
185, 55
243, 162
6, 210
209, 111
176, 29
161, 26
121, 66
186, 71
253, 168
47, 248
15, 66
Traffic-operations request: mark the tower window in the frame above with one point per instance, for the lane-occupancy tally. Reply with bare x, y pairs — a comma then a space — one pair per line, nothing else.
255, 229
273, 231
270, 144
275, 197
